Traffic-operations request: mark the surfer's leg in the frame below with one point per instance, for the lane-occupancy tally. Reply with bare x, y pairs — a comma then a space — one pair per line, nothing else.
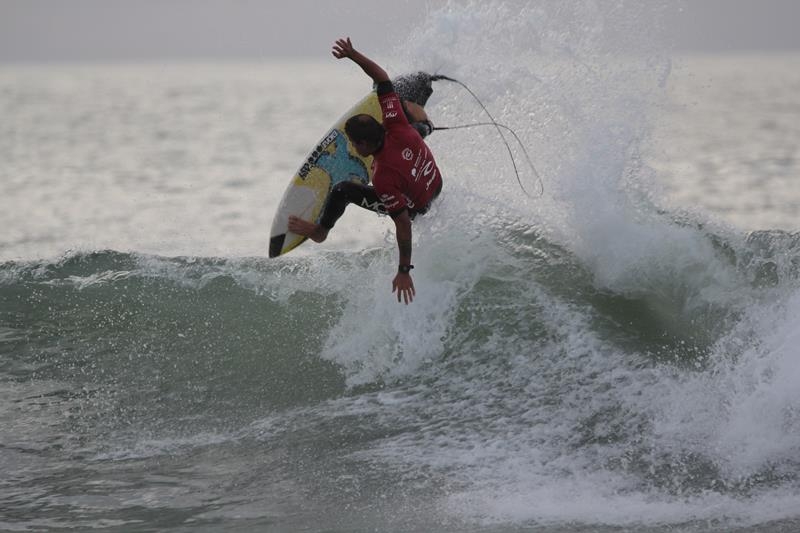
342, 194
345, 193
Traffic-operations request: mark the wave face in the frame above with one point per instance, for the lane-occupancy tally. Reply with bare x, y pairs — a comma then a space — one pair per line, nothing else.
515, 388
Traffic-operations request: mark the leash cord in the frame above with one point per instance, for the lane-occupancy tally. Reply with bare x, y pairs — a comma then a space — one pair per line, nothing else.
499, 127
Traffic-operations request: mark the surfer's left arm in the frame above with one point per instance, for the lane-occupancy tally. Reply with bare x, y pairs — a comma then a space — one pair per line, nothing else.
344, 48
402, 284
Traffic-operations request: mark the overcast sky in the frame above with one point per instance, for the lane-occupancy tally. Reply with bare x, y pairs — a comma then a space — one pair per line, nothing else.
78, 30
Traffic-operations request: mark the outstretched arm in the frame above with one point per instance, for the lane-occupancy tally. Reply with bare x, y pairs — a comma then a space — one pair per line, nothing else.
344, 48
402, 284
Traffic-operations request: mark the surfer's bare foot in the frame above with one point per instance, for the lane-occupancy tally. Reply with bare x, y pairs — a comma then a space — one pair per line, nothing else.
315, 232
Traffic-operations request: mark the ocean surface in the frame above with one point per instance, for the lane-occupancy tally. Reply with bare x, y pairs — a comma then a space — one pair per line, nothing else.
619, 352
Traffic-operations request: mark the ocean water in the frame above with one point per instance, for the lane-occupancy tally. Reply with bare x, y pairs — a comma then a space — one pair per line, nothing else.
617, 354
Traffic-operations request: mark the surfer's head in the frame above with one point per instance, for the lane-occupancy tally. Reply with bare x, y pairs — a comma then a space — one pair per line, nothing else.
365, 133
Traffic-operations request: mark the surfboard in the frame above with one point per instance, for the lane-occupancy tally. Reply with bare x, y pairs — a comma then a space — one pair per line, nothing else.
332, 160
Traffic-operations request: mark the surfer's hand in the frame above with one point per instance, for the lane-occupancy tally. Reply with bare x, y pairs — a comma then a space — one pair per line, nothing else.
403, 285
342, 48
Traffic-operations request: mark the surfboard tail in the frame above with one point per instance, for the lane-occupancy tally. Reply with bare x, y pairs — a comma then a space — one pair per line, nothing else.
276, 245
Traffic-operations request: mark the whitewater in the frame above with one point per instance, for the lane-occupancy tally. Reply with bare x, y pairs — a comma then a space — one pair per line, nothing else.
619, 353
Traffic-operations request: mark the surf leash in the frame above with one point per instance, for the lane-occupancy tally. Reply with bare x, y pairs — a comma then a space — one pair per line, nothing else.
499, 127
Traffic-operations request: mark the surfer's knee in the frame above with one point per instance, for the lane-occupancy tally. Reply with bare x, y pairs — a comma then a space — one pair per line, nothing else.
345, 190
340, 189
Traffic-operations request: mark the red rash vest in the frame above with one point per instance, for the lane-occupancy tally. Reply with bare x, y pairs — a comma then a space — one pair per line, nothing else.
405, 173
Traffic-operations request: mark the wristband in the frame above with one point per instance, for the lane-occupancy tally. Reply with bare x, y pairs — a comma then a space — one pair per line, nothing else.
404, 269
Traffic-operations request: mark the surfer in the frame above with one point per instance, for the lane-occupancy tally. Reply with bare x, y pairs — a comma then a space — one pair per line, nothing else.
405, 180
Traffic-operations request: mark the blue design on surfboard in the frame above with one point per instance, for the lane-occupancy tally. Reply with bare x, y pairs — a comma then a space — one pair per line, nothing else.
341, 166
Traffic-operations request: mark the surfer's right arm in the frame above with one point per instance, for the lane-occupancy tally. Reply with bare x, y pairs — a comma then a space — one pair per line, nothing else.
344, 48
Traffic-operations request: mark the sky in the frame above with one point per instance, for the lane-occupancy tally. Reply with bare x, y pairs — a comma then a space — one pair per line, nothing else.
132, 30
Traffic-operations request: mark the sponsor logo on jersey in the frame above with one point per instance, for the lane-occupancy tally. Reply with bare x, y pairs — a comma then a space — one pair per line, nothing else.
423, 167
408, 154
389, 201
390, 114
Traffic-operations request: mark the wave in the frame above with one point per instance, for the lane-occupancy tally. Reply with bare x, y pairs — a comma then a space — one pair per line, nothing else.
146, 340
663, 371
206, 316
654, 391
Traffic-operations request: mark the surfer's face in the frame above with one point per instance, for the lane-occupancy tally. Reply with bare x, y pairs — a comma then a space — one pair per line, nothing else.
364, 148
